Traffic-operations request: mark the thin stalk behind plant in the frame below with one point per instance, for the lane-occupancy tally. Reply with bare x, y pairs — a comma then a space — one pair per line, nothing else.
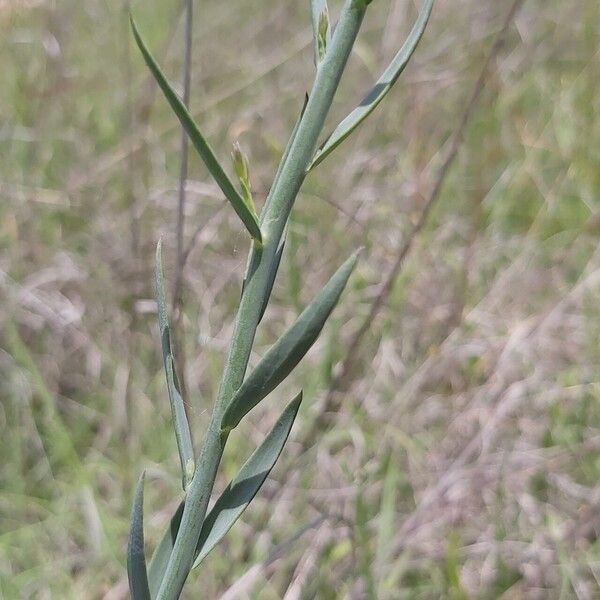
192, 533
176, 310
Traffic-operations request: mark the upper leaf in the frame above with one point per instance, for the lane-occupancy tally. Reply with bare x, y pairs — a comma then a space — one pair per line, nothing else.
180, 422
136, 562
162, 552
246, 214
289, 349
378, 91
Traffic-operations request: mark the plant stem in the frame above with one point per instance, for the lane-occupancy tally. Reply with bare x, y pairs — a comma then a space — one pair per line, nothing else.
273, 221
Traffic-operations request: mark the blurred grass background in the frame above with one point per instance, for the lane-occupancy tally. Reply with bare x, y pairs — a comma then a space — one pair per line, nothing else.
463, 460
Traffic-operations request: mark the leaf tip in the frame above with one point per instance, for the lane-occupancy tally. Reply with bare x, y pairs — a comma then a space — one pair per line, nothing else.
295, 403
294, 406
138, 497
134, 29
136, 562
351, 261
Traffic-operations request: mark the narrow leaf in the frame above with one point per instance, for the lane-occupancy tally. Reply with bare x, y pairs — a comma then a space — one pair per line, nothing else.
162, 553
289, 349
180, 422
242, 489
136, 563
206, 153
232, 503
321, 28
379, 90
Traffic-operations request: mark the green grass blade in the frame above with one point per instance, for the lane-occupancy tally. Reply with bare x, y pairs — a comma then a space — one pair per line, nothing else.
379, 90
180, 422
321, 28
162, 553
136, 563
289, 349
245, 212
241, 490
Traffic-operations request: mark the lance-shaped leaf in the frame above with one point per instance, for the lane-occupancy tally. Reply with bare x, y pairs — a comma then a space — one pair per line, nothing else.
273, 186
162, 552
272, 276
136, 562
321, 28
379, 90
232, 502
241, 490
180, 422
245, 212
288, 350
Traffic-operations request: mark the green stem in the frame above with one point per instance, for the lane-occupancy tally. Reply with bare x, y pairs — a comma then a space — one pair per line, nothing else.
274, 218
